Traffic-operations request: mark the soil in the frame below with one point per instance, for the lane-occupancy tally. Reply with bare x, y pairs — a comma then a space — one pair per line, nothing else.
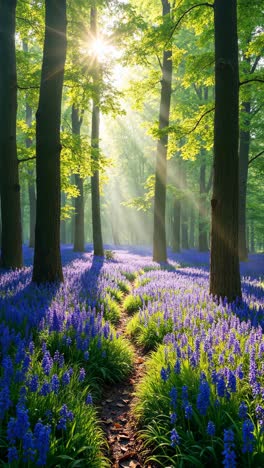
125, 448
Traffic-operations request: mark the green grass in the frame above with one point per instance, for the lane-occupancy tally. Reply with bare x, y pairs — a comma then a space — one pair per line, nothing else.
149, 330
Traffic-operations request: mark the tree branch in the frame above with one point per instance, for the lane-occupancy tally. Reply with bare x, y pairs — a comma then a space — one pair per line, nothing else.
259, 80
25, 159
254, 66
255, 157
27, 87
211, 5
197, 123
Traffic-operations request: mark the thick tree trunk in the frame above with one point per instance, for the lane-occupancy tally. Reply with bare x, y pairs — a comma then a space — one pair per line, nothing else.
47, 258
159, 234
11, 249
244, 145
95, 182
78, 231
176, 229
224, 266
202, 236
31, 186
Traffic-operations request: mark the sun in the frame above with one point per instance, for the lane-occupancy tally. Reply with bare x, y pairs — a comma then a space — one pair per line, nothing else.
102, 50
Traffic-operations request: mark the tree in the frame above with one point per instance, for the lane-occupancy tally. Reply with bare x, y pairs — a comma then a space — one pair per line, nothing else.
159, 235
11, 248
78, 235
224, 265
47, 258
95, 183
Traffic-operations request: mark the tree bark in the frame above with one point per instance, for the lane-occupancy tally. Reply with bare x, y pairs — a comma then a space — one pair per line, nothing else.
176, 225
202, 236
47, 258
31, 186
224, 265
78, 244
244, 145
95, 180
159, 234
11, 248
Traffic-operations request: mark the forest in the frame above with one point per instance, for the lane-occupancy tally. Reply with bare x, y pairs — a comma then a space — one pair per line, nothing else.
131, 233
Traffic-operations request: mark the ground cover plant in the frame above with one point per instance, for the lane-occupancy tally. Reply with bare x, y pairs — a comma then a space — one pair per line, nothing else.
201, 399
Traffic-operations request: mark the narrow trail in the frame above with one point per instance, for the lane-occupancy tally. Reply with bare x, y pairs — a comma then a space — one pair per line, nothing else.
125, 449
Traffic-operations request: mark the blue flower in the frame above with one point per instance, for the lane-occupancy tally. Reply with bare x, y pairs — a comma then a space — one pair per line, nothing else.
175, 438
248, 436
42, 442
82, 374
28, 445
243, 410
229, 453
55, 383
203, 398
173, 418
12, 454
173, 395
188, 411
33, 383
210, 428
66, 378
89, 399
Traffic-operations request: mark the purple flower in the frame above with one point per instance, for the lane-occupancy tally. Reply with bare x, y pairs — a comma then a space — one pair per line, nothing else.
55, 383
173, 418
42, 442
33, 383
66, 378
188, 411
82, 374
89, 399
175, 438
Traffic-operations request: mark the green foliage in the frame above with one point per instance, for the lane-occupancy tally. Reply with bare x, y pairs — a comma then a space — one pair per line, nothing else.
149, 332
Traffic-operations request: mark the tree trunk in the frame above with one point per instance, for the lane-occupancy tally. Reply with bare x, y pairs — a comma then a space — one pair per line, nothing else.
243, 175
184, 225
95, 182
78, 241
159, 234
202, 237
252, 237
47, 258
63, 236
192, 228
224, 265
11, 249
31, 186
176, 225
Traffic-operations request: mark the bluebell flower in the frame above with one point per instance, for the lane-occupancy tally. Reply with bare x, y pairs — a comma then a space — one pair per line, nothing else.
203, 398
173, 395
82, 374
42, 442
177, 367
28, 445
66, 378
175, 438
173, 418
248, 436
243, 410
220, 385
229, 453
210, 428
55, 383
33, 383
188, 411
89, 399
164, 374
12, 454
45, 389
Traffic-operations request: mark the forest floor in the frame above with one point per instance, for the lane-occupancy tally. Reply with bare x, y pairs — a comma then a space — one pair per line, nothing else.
125, 447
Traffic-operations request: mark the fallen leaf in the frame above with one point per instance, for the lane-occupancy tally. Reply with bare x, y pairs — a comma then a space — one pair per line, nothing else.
120, 405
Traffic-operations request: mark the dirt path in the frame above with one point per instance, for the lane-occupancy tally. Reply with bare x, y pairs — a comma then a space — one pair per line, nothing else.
125, 449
